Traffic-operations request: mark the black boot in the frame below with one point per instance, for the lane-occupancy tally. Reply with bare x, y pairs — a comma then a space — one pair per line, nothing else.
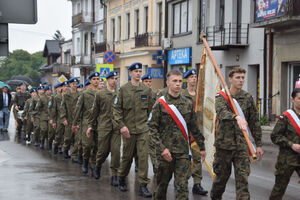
122, 184
66, 154
80, 160
42, 144
50, 146
55, 150
198, 189
114, 181
144, 192
60, 150
85, 165
96, 172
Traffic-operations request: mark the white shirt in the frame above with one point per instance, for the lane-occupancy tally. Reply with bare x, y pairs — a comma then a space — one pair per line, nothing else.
5, 99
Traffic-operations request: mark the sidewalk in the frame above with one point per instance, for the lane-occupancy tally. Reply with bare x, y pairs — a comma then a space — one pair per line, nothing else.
266, 132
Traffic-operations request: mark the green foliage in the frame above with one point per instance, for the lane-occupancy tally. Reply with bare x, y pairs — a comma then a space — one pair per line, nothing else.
264, 120
20, 62
58, 36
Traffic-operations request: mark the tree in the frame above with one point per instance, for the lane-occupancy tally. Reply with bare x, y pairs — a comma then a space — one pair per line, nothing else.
58, 36
20, 62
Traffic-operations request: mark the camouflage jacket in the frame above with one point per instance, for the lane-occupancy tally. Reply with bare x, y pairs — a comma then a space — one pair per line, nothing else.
68, 104
101, 117
35, 112
55, 111
83, 106
41, 107
185, 93
27, 109
19, 100
164, 131
132, 107
284, 135
229, 136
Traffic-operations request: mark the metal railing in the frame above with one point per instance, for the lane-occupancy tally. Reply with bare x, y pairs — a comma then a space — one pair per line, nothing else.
76, 19
229, 34
100, 47
141, 40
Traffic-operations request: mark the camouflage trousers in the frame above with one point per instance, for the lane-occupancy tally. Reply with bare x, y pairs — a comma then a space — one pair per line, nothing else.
89, 145
36, 129
223, 159
109, 142
59, 133
29, 127
43, 130
283, 174
196, 170
140, 142
68, 137
51, 133
179, 166
77, 149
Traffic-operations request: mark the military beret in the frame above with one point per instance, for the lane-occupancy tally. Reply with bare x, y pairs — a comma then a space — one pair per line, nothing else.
146, 76
87, 82
47, 88
64, 83
32, 90
111, 74
40, 87
93, 74
57, 85
74, 79
135, 66
80, 86
21, 83
190, 72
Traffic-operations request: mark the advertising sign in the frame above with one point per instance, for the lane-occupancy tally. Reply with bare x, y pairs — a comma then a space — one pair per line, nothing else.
180, 56
156, 72
268, 9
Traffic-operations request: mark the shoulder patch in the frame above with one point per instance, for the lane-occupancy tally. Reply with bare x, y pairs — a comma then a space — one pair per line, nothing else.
150, 117
116, 100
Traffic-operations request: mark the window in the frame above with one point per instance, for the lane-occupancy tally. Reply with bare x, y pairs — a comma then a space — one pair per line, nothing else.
182, 17
86, 7
221, 16
78, 8
137, 22
113, 31
78, 45
86, 43
128, 26
120, 27
101, 36
146, 20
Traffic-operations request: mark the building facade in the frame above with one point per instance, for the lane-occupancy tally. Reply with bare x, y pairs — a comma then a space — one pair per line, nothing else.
281, 20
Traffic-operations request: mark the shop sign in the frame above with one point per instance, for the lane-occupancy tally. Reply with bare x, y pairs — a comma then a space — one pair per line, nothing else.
180, 56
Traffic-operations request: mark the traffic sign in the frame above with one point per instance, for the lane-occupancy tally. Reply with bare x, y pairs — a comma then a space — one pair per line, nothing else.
104, 69
62, 78
109, 57
43, 79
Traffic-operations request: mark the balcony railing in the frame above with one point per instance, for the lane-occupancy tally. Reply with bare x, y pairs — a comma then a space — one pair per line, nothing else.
61, 68
100, 47
141, 40
228, 36
76, 19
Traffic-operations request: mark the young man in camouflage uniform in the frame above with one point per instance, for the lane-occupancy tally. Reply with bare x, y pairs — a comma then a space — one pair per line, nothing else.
131, 109
101, 120
288, 139
231, 147
51, 131
19, 102
27, 115
36, 116
82, 112
171, 142
190, 93
68, 104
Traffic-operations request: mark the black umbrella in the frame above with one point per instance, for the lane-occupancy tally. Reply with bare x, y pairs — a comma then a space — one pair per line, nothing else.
22, 78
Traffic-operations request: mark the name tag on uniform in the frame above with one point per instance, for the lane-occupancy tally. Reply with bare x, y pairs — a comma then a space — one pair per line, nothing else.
143, 96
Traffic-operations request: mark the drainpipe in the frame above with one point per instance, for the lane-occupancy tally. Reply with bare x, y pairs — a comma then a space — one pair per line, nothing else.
166, 36
265, 74
270, 72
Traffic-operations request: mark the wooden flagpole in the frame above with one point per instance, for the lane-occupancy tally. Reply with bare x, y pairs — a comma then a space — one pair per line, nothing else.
252, 152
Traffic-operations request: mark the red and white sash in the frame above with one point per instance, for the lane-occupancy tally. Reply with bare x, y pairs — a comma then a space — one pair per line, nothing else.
241, 113
291, 115
177, 117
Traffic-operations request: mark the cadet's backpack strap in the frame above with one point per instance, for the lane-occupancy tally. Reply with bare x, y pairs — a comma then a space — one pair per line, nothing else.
291, 115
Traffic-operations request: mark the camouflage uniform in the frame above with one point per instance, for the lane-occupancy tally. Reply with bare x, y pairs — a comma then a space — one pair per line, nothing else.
165, 133
36, 117
68, 104
131, 108
109, 139
19, 100
82, 111
42, 109
27, 116
54, 116
284, 135
51, 131
231, 146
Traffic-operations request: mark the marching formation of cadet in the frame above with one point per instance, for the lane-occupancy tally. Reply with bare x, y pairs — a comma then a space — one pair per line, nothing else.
88, 122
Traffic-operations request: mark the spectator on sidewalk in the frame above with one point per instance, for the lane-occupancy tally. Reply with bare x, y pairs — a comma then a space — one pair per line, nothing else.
5, 100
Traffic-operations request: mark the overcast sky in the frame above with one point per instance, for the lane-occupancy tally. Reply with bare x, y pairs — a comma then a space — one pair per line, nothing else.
52, 15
